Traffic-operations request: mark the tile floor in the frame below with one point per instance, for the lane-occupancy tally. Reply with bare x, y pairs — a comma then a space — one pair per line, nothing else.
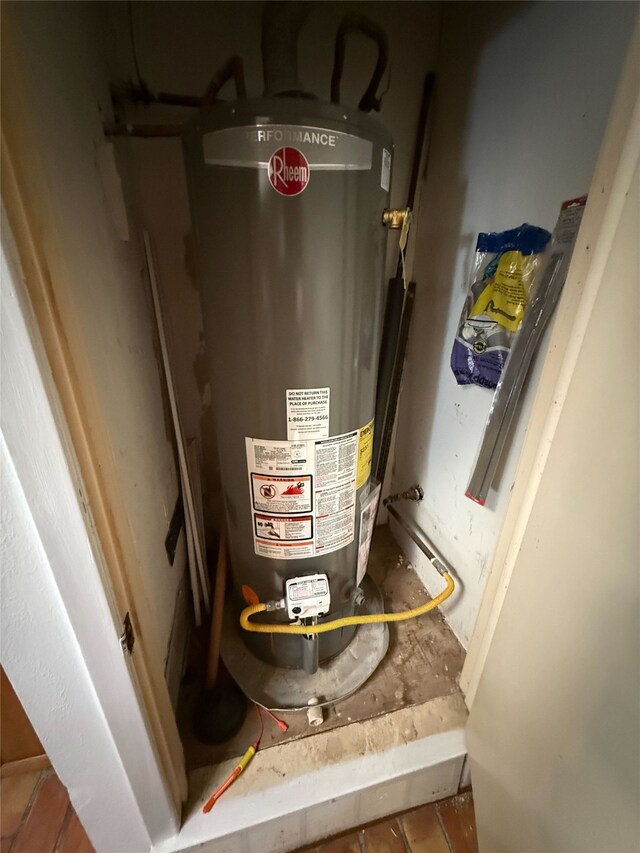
36, 817
447, 826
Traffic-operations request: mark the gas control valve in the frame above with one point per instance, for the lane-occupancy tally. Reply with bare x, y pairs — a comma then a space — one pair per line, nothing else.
307, 597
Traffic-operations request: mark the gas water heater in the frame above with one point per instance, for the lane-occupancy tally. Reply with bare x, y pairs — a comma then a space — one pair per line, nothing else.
288, 195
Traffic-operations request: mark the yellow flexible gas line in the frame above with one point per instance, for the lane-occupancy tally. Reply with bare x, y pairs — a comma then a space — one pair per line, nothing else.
372, 618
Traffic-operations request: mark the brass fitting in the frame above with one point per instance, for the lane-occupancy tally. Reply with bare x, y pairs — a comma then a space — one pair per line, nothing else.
395, 217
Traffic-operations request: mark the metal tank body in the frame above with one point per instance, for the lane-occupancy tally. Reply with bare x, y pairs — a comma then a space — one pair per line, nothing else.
292, 295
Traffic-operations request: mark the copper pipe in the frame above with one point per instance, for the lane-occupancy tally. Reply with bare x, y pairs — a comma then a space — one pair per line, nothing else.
142, 95
175, 100
233, 67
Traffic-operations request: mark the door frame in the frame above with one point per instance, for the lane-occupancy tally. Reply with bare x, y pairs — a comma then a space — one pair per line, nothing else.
34, 232
611, 178
60, 637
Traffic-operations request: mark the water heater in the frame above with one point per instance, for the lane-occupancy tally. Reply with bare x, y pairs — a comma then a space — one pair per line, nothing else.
287, 199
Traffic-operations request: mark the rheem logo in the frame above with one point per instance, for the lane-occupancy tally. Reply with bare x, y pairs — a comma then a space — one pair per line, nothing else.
288, 171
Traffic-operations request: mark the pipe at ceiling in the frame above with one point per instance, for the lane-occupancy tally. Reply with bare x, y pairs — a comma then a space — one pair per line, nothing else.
282, 21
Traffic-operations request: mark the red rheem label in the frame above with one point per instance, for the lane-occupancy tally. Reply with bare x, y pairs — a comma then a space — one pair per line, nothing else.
289, 171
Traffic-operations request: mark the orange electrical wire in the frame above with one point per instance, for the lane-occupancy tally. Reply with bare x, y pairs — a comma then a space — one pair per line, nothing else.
280, 723
245, 760
242, 765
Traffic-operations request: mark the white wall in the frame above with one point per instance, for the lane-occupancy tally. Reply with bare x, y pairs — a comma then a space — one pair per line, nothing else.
97, 277
179, 46
523, 93
553, 734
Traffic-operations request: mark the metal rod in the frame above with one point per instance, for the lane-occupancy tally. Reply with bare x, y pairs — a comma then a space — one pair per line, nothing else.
511, 383
422, 541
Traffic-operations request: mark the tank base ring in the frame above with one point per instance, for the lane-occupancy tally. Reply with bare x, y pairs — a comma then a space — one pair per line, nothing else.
281, 689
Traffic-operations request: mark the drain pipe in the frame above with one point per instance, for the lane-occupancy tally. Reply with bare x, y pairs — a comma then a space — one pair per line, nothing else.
416, 493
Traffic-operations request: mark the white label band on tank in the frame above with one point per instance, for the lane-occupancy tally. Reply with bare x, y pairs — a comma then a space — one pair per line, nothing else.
251, 147
303, 495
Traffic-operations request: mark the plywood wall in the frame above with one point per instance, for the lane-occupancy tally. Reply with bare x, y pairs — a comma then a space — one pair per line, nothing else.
55, 97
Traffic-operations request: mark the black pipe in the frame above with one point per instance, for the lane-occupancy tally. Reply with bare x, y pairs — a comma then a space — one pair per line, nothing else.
423, 118
427, 96
390, 400
146, 131
282, 21
356, 23
388, 349
174, 100
398, 310
232, 69
143, 95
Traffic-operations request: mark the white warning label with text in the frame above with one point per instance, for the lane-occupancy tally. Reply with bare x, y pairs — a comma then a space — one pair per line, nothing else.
282, 494
284, 550
303, 495
308, 413
335, 491
282, 537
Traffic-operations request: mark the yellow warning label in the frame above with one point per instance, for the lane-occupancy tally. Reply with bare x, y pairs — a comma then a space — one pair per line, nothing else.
365, 452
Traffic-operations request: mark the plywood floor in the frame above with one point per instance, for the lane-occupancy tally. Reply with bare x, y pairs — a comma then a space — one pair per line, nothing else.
423, 663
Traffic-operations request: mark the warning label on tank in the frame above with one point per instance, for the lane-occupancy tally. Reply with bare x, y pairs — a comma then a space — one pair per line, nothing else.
279, 457
307, 413
284, 550
336, 459
303, 494
335, 492
273, 528
282, 494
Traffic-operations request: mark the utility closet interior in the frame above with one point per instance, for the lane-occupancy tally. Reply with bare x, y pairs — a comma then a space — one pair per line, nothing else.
304, 259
